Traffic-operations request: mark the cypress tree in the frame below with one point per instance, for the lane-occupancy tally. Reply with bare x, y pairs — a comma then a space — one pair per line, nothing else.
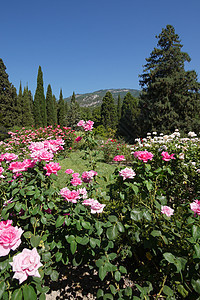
55, 119
27, 116
119, 108
61, 110
170, 96
50, 106
20, 105
74, 114
108, 112
40, 113
129, 115
8, 99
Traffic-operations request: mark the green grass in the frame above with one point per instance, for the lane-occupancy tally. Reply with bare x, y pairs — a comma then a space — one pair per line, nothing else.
79, 165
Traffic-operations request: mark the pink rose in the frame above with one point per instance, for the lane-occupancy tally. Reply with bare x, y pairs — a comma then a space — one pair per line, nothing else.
52, 168
5, 224
166, 156
127, 173
81, 123
87, 176
17, 166
195, 207
168, 211
76, 181
119, 158
69, 171
95, 206
1, 171
26, 264
70, 196
45, 155
10, 239
83, 192
143, 155
78, 139
88, 126
10, 156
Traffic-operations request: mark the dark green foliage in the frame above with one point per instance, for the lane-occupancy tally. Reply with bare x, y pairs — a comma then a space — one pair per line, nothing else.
170, 95
86, 113
55, 109
27, 115
74, 114
96, 116
108, 112
8, 99
61, 110
129, 115
119, 108
20, 106
40, 113
50, 106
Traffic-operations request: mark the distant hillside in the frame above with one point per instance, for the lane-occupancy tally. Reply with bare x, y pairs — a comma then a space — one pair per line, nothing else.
95, 98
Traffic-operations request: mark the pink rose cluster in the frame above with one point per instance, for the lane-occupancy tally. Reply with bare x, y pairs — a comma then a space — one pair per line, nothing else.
195, 207
87, 126
44, 151
10, 237
76, 180
52, 168
78, 139
26, 264
88, 176
95, 206
20, 166
1, 171
166, 156
127, 173
143, 155
119, 158
168, 211
8, 157
70, 196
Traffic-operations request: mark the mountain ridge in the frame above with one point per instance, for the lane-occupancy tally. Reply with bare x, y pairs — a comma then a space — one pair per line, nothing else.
94, 99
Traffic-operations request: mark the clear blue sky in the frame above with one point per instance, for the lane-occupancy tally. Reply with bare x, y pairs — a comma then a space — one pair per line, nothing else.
87, 45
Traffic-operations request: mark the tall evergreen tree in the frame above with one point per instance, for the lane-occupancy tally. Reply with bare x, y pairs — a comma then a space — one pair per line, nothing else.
128, 122
170, 97
74, 114
20, 105
61, 110
50, 106
8, 99
40, 112
27, 116
55, 118
108, 111
119, 108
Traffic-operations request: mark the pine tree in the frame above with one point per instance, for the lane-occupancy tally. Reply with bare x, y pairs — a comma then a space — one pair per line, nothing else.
61, 110
40, 113
8, 99
27, 116
108, 112
50, 106
129, 114
170, 97
74, 114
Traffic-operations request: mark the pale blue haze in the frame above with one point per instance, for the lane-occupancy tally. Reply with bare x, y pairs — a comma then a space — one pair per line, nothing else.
87, 45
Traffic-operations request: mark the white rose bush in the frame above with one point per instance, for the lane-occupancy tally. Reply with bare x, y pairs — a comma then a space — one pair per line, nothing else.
142, 225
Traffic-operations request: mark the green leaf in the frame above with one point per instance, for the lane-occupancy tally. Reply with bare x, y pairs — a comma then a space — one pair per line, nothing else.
102, 273
112, 232
42, 297
70, 238
16, 295
15, 191
196, 285
112, 218
18, 206
93, 242
73, 246
113, 289
168, 291
27, 234
60, 220
122, 270
182, 290
58, 256
156, 233
197, 250
136, 215
2, 288
82, 241
147, 216
100, 293
86, 225
29, 293
43, 220
54, 275
35, 241
46, 256
108, 296
135, 189
117, 276
169, 257
195, 232
120, 227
